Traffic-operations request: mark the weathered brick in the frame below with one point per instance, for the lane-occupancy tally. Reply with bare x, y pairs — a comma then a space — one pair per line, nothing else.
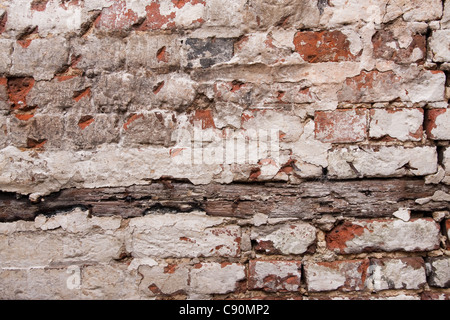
164, 279
183, 235
274, 275
231, 14
446, 165
341, 126
4, 104
18, 88
412, 85
89, 131
151, 51
57, 95
445, 21
439, 272
363, 296
50, 17
323, 46
63, 239
38, 284
117, 17
439, 45
207, 52
391, 274
3, 132
297, 14
6, 48
346, 275
387, 46
98, 54
286, 122
353, 162
226, 277
147, 128
447, 230
266, 47
438, 124
411, 10
37, 60
168, 14
430, 295
3, 20
384, 235
371, 86
101, 282
402, 124
77, 221
121, 91
57, 247
37, 132
291, 238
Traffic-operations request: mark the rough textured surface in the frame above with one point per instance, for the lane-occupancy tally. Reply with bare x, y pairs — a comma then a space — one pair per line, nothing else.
242, 149
384, 235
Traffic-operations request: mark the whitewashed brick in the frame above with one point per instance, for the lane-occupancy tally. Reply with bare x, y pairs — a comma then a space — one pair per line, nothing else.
406, 273
183, 235
352, 162
226, 277
403, 124
290, 238
384, 235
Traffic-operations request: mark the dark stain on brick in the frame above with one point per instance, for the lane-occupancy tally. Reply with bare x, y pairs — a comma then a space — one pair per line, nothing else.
158, 87
35, 144
3, 20
31, 33
322, 4
39, 5
209, 51
85, 121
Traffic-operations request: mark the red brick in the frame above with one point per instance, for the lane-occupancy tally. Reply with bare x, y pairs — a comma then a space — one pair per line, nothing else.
78, 95
155, 20
274, 275
340, 126
382, 47
437, 124
324, 46
18, 88
85, 121
204, 117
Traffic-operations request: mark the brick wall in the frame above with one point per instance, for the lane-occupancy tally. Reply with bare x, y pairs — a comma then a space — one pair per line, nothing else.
206, 149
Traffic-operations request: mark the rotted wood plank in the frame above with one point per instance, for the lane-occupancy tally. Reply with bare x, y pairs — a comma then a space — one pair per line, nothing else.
311, 199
